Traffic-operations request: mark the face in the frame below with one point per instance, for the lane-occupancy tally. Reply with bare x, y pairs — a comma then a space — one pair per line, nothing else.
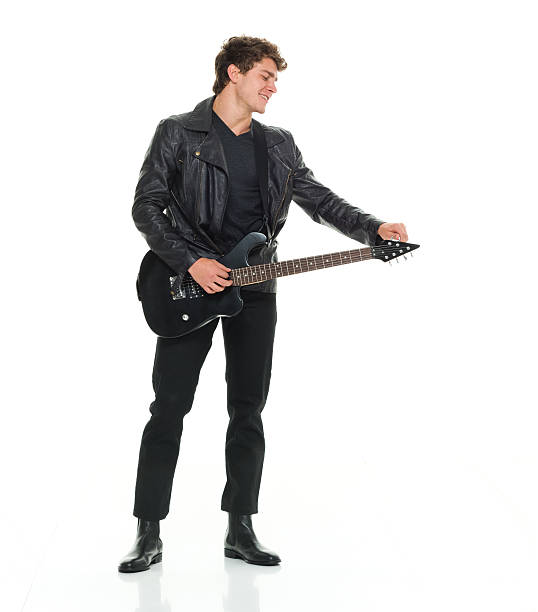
255, 88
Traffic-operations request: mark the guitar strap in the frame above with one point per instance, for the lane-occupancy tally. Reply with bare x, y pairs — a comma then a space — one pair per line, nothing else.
260, 152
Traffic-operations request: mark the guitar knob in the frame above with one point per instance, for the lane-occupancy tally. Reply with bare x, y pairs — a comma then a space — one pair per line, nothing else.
185, 317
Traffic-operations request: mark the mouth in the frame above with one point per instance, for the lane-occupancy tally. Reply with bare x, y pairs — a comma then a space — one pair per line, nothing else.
264, 97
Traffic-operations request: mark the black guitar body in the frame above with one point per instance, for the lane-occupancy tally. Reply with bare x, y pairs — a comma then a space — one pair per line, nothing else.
172, 311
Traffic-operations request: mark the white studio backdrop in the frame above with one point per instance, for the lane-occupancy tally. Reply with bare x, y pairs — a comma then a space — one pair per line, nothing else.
402, 395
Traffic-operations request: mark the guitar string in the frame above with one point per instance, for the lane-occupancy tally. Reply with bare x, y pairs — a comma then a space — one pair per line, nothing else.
358, 255
191, 283
333, 263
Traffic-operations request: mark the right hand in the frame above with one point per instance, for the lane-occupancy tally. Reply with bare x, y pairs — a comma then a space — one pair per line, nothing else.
210, 274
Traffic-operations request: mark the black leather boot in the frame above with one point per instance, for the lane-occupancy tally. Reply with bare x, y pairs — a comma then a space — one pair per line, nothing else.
147, 548
240, 542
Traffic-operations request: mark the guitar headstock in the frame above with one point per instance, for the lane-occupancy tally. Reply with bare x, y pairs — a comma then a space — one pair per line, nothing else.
392, 249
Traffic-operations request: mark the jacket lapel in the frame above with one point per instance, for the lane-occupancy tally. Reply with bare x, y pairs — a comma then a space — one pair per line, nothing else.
210, 149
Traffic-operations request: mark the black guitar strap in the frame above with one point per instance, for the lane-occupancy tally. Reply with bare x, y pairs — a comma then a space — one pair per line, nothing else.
260, 152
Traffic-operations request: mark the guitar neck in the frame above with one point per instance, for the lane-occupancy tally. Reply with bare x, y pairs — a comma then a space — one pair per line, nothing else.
250, 275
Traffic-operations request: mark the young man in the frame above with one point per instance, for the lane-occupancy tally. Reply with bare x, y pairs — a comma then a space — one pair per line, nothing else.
209, 177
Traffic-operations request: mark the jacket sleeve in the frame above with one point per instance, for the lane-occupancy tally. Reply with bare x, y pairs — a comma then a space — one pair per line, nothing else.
152, 196
325, 207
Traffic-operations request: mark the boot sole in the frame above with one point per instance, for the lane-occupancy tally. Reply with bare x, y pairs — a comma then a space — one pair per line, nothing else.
156, 559
232, 554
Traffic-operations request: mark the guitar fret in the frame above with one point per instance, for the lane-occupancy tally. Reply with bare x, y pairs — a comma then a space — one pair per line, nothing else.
262, 272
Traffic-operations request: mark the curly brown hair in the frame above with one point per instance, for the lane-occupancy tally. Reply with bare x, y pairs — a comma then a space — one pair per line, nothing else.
244, 52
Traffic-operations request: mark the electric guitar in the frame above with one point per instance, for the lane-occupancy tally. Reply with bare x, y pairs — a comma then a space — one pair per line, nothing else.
172, 311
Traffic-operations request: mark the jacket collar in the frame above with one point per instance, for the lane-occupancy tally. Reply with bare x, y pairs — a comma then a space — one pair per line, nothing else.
201, 119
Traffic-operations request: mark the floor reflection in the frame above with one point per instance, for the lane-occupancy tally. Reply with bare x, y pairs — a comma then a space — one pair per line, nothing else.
242, 594
150, 597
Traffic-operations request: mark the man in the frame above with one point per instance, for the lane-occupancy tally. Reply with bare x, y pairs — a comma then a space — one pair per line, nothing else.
209, 177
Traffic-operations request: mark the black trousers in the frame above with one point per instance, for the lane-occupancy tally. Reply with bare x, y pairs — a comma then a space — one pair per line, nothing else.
248, 343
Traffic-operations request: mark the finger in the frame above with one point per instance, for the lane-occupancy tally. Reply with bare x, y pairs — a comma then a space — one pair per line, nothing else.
216, 287
222, 266
219, 282
398, 232
223, 279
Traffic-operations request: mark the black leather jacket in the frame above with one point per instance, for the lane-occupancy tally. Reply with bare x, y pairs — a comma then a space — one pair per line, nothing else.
183, 187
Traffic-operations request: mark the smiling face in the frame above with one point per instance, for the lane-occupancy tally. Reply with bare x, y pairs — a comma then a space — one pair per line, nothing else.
255, 88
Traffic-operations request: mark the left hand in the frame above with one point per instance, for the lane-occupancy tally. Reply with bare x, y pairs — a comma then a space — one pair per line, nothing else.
393, 231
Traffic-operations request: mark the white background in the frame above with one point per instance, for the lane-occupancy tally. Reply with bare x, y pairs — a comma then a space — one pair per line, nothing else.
401, 459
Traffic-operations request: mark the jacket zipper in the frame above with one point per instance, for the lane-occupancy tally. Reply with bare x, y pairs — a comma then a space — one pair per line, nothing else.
175, 224
282, 201
197, 209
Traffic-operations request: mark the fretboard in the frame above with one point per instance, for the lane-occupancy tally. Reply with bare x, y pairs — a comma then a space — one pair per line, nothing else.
257, 274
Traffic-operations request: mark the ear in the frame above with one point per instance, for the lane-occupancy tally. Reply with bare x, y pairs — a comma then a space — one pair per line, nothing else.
233, 73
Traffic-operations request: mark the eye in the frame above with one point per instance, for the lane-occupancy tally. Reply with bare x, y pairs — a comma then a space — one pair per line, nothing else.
265, 78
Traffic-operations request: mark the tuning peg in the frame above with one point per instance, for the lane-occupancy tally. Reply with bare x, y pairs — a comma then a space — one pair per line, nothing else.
405, 258
411, 253
390, 263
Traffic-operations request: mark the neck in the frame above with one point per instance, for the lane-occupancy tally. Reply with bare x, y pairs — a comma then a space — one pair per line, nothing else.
251, 275
232, 112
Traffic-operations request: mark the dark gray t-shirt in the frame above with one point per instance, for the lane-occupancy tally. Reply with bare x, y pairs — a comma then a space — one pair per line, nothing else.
244, 208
